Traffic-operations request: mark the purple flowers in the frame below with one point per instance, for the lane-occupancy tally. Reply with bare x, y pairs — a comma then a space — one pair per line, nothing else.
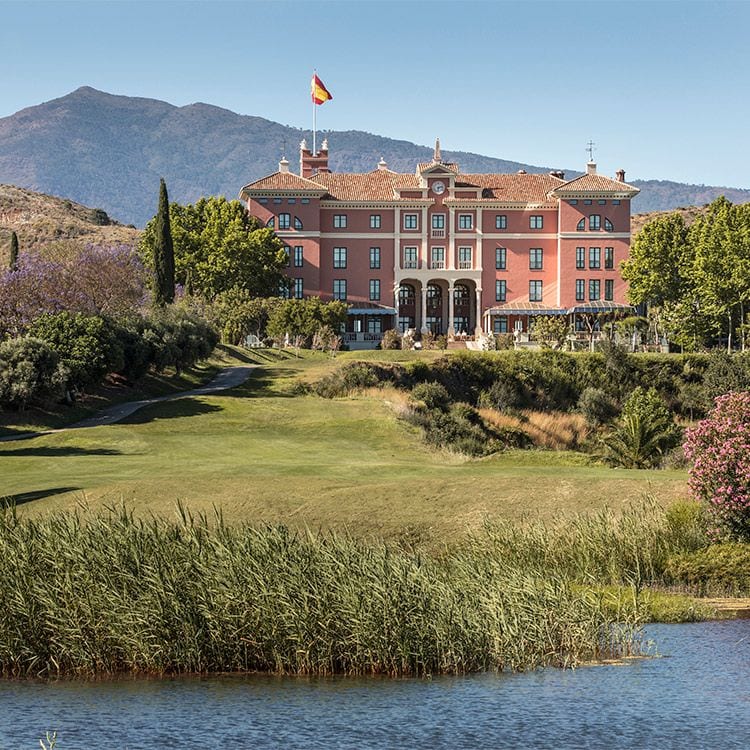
94, 280
719, 448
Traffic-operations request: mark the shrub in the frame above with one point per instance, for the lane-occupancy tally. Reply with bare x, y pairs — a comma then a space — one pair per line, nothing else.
87, 346
721, 569
725, 373
178, 338
391, 339
28, 371
597, 406
719, 450
351, 377
432, 395
505, 394
504, 341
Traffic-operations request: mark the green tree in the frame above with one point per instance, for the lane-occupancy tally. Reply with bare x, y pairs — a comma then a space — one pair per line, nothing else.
551, 330
13, 261
162, 251
218, 246
236, 313
297, 317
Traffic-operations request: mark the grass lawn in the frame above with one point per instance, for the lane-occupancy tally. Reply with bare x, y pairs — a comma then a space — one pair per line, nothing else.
261, 454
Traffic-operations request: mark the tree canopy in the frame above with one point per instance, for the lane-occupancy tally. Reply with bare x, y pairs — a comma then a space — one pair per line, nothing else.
218, 246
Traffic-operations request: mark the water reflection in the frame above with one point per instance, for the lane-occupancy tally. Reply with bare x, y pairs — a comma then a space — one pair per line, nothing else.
697, 696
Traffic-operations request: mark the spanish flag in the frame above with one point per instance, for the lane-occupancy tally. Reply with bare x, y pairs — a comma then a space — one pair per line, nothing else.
320, 94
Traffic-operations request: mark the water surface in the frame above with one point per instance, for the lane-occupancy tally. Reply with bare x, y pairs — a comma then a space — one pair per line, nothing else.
697, 695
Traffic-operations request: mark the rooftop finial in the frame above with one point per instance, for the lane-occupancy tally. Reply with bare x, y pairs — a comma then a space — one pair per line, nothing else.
436, 156
590, 149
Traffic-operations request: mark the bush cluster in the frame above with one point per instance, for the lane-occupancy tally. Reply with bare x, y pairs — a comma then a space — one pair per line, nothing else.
65, 353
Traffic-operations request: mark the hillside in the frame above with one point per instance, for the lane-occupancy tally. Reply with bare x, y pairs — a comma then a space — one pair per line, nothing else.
110, 151
39, 219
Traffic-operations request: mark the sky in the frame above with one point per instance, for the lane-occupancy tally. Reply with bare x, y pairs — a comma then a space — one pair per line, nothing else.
661, 88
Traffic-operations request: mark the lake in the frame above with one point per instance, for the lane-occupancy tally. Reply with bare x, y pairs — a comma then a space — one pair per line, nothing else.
696, 694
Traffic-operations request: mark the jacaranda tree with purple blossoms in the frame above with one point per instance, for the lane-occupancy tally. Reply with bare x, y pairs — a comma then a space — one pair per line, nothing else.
719, 449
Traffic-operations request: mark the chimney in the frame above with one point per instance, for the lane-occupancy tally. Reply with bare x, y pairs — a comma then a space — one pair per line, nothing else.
620, 175
591, 167
558, 173
283, 164
382, 165
311, 164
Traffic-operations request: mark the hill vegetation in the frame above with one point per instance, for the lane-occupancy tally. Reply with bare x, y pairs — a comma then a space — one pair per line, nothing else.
110, 151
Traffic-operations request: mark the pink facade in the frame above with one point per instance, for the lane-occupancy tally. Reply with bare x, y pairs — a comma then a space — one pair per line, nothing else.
447, 251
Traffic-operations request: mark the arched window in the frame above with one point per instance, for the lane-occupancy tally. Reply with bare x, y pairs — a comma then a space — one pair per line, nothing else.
461, 295
608, 227
271, 222
581, 226
434, 296
297, 223
285, 221
406, 294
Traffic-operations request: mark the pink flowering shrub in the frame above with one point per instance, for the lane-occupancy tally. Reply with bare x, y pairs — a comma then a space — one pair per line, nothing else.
719, 450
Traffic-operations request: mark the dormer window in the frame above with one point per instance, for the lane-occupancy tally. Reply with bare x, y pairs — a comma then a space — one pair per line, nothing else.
595, 222
285, 221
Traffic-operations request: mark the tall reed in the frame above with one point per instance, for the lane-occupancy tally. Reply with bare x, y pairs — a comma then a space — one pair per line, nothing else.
87, 594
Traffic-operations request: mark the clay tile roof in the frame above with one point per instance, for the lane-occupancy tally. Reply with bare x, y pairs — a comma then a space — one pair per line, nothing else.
532, 188
282, 181
596, 183
379, 185
448, 166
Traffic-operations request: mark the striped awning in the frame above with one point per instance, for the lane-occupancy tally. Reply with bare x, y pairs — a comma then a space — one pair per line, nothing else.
525, 308
366, 308
601, 307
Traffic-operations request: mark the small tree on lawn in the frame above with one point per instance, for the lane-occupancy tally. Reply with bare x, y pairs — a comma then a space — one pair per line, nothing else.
163, 251
719, 449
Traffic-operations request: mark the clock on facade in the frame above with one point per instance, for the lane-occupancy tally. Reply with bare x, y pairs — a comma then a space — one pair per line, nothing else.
438, 187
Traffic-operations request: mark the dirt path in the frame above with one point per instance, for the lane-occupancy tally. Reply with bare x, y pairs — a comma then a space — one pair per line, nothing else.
229, 377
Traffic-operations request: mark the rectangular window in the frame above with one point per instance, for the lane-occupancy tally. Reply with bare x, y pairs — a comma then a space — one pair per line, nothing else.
501, 221
465, 221
615, 203
593, 290
299, 256
500, 324
580, 257
535, 258
305, 200
374, 325
339, 289
535, 291
292, 201
595, 257
339, 221
536, 222
374, 290
587, 202
288, 252
464, 258
410, 221
298, 288
374, 221
501, 258
602, 203
573, 202
410, 257
438, 257
501, 290
595, 221
285, 221
609, 289
277, 200
438, 221
339, 257
609, 257
374, 257
580, 290
263, 200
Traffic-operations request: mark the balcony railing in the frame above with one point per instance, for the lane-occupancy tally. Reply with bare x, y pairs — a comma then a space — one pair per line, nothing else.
361, 336
437, 264
438, 233
410, 264
465, 264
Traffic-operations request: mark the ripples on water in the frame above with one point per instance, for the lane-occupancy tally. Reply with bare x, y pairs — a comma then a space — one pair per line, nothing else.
698, 696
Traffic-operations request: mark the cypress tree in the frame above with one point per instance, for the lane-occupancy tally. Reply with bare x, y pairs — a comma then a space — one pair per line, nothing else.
13, 251
163, 251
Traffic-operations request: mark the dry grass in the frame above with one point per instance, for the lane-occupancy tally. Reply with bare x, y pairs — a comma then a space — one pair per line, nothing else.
555, 430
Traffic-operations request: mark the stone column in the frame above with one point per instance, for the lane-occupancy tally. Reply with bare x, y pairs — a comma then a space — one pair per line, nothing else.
478, 321
424, 328
451, 316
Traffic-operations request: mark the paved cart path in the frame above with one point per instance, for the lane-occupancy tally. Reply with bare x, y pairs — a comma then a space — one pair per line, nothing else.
230, 377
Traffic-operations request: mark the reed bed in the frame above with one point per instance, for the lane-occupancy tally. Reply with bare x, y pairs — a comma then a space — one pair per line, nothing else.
552, 430
86, 594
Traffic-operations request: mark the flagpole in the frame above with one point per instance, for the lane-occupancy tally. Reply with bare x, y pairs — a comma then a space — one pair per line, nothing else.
315, 72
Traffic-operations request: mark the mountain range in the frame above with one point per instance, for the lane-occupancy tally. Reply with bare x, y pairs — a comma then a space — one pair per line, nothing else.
109, 151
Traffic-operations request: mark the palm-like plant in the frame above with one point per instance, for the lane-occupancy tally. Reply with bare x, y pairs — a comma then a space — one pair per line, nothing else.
636, 443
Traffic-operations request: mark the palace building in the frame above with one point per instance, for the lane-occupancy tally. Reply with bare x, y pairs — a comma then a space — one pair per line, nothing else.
446, 251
